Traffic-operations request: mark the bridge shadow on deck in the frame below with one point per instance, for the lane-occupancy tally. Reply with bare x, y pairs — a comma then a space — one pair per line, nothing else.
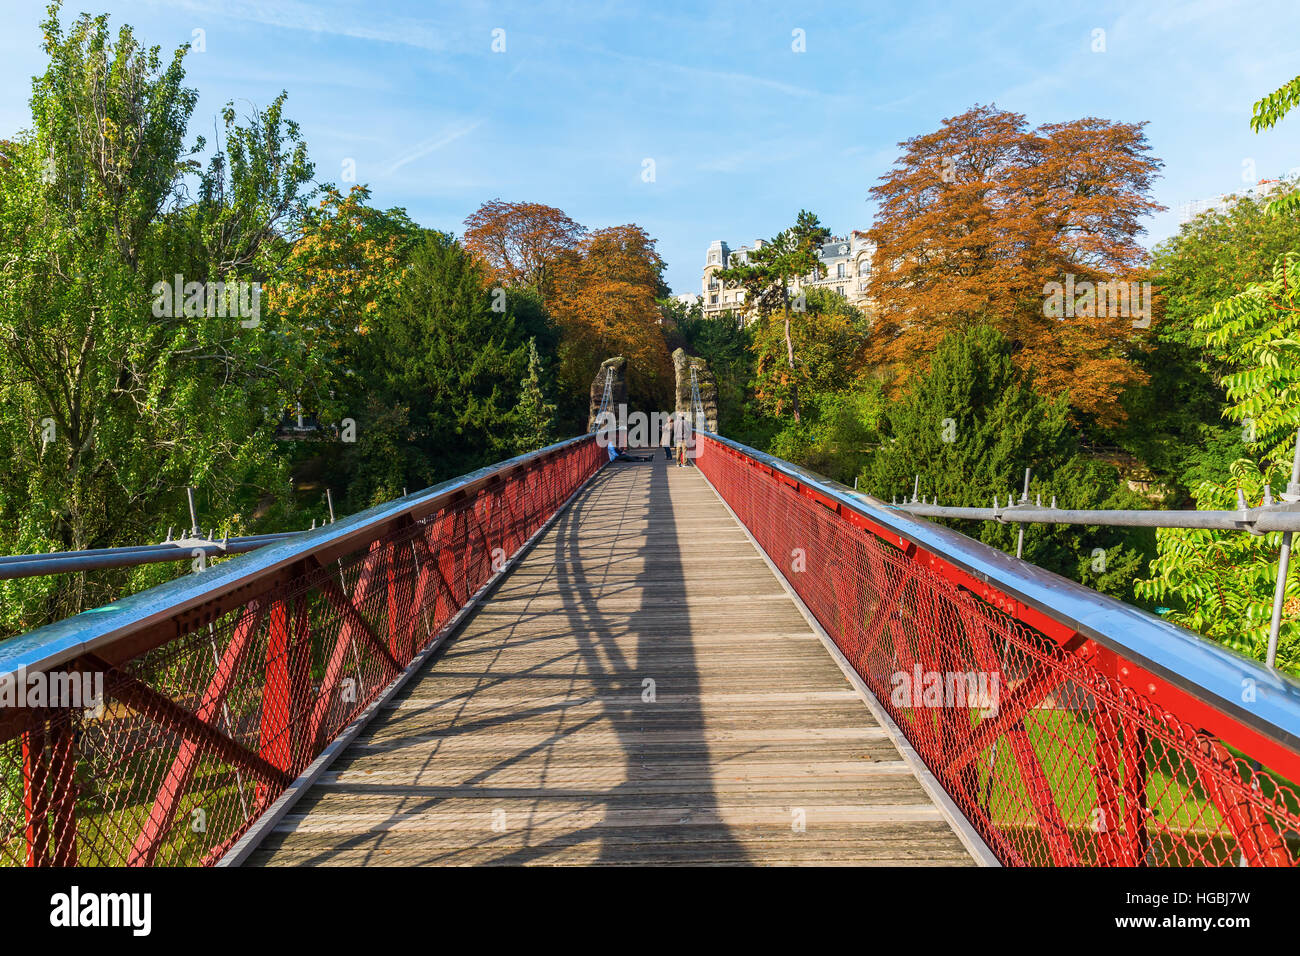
609, 759
648, 693
638, 690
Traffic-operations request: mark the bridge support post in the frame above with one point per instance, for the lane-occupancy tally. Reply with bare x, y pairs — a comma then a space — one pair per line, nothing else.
181, 772
1114, 848
284, 692
63, 765
49, 792
1257, 840
35, 796
1133, 752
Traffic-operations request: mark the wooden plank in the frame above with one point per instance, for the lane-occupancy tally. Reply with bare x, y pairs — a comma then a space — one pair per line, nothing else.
535, 736
555, 816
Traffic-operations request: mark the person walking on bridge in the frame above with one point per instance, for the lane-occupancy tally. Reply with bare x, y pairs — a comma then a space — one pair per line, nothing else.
666, 437
681, 437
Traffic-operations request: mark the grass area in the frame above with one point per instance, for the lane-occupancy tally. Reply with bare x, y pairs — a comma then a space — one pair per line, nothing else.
1184, 826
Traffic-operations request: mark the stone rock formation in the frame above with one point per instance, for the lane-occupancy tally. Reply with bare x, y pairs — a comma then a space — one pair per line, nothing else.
682, 365
618, 388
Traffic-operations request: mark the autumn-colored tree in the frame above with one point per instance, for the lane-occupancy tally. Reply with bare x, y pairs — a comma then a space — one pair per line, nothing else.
978, 217
604, 302
344, 266
522, 242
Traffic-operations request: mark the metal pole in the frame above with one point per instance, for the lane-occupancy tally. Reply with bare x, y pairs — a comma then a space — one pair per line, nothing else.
330, 498
1281, 517
194, 518
1283, 562
1020, 533
37, 565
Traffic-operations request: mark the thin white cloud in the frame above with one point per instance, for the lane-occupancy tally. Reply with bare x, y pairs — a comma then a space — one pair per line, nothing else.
294, 15
432, 145
760, 154
696, 72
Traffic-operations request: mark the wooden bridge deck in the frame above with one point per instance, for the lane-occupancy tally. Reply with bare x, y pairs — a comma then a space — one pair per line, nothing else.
639, 690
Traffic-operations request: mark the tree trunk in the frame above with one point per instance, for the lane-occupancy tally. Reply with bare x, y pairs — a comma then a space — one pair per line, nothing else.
789, 349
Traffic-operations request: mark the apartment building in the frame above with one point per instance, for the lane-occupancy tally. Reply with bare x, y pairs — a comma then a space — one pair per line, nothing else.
845, 270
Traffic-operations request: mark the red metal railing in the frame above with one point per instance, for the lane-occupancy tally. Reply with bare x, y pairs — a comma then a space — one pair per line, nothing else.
1068, 728
221, 688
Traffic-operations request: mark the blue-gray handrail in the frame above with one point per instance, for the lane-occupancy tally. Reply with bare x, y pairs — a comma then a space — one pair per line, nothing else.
88, 632
1209, 671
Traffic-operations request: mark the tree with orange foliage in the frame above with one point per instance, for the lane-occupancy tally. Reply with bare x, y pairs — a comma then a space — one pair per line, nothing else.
978, 218
521, 242
604, 302
340, 272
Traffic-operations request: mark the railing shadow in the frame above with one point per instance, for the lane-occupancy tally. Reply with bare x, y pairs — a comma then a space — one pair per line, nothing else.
619, 538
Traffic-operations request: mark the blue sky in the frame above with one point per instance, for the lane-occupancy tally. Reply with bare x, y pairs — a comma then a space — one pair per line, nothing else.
743, 131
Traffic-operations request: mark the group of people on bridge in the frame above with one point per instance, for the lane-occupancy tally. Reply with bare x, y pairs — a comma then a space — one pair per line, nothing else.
676, 436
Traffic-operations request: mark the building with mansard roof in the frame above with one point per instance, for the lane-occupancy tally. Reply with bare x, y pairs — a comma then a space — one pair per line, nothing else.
845, 270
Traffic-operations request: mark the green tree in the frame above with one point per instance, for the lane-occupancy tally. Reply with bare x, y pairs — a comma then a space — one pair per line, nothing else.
442, 350
117, 397
766, 277
536, 417
1222, 583
1174, 419
966, 430
840, 407
724, 341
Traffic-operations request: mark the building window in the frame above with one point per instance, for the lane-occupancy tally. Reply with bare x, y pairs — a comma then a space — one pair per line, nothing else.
713, 300
864, 267
840, 290
839, 271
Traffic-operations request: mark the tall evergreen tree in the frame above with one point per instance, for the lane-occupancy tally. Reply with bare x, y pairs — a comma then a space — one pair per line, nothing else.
967, 429
536, 417
444, 351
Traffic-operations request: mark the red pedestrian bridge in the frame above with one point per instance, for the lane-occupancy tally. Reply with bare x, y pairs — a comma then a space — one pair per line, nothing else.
562, 659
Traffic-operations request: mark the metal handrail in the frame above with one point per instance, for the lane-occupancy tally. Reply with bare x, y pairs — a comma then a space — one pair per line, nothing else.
1203, 669
1259, 520
203, 596
178, 549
